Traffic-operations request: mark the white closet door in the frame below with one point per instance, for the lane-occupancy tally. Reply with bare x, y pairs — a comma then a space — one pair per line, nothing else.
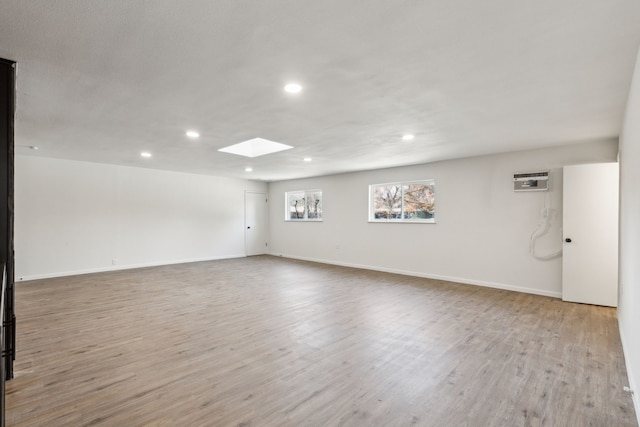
590, 232
255, 219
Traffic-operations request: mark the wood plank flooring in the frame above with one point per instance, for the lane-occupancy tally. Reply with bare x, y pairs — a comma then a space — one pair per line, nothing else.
266, 341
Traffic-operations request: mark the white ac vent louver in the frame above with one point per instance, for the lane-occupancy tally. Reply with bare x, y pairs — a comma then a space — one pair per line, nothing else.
531, 181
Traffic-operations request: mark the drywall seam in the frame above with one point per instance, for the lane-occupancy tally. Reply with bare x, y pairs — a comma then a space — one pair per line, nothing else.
123, 267
635, 396
430, 276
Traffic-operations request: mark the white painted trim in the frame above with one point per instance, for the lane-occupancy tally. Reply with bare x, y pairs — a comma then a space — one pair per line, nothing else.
322, 261
122, 267
430, 276
635, 396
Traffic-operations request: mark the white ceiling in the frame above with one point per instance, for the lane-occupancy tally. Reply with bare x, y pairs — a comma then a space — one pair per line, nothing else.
102, 81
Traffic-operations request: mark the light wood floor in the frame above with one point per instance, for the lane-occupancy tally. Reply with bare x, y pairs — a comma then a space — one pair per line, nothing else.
266, 341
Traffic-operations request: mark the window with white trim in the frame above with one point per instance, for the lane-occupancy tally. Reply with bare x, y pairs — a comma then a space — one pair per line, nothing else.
412, 201
305, 205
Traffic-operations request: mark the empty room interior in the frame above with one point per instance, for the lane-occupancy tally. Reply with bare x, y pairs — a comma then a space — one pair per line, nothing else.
297, 213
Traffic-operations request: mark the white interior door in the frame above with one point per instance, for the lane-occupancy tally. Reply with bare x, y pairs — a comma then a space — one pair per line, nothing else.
590, 232
255, 222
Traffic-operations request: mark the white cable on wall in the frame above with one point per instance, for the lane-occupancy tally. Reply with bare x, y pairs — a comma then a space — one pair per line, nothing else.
546, 216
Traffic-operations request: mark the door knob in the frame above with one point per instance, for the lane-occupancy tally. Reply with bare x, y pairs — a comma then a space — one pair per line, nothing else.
248, 228
568, 240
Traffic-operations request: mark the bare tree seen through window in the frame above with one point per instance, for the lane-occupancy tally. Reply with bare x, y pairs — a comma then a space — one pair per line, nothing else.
314, 205
296, 205
304, 205
403, 201
419, 201
387, 201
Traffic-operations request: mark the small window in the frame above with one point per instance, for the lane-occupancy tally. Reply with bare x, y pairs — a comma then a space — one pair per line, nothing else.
403, 202
303, 205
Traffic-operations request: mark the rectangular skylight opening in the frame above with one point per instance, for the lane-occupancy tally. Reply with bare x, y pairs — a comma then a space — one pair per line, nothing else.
255, 147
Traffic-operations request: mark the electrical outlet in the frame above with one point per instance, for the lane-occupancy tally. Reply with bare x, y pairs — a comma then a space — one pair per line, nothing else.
114, 261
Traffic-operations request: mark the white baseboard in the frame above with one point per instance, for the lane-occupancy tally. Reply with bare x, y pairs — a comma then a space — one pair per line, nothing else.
430, 276
27, 278
635, 396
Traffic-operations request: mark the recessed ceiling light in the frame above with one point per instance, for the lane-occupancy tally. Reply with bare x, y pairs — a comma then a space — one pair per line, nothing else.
307, 159
255, 147
192, 134
407, 137
33, 147
293, 88
248, 169
145, 154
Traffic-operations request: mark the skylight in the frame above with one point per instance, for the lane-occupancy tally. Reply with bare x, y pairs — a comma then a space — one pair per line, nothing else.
255, 147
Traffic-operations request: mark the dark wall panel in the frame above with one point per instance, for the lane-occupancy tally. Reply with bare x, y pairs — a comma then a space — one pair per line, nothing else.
7, 109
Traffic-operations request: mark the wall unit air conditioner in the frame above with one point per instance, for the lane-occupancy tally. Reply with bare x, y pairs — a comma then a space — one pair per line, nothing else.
531, 181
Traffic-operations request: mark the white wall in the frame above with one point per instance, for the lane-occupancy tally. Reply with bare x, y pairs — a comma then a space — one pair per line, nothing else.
629, 292
482, 230
74, 217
